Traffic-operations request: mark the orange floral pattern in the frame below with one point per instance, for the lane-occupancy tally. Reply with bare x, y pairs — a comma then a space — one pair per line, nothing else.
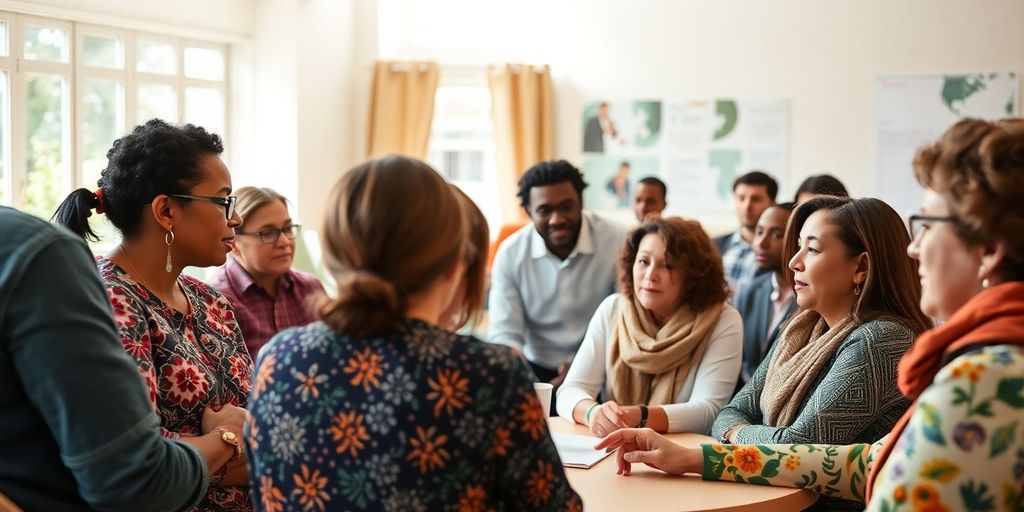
448, 391
415, 419
427, 449
366, 369
349, 432
310, 489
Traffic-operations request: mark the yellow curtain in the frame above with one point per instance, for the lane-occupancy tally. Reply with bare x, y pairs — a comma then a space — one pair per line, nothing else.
401, 108
523, 109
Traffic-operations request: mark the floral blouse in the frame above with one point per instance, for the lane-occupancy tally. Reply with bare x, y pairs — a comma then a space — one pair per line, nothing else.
188, 361
419, 419
963, 448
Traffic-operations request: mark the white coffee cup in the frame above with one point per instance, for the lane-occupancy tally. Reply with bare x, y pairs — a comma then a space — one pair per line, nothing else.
543, 390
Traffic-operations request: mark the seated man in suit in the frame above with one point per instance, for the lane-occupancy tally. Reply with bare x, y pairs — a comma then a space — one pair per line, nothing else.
769, 300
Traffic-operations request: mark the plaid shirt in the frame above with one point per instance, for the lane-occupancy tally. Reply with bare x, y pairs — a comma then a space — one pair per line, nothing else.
739, 263
259, 315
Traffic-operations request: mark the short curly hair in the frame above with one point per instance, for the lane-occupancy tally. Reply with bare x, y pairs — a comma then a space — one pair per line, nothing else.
155, 158
549, 173
687, 247
978, 168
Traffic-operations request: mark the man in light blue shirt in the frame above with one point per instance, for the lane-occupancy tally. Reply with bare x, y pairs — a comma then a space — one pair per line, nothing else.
549, 277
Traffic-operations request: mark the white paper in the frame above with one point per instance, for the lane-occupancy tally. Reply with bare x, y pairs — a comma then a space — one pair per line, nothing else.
577, 451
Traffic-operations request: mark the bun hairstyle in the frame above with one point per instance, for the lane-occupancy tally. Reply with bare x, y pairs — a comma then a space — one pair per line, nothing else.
155, 158
393, 227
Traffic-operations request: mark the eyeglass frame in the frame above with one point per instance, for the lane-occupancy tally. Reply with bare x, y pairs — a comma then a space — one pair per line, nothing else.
227, 202
280, 231
918, 218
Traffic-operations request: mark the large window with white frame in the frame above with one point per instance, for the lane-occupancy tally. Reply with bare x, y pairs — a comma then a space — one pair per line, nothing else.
68, 90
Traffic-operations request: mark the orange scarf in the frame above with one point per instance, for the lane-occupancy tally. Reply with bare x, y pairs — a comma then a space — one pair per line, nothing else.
996, 315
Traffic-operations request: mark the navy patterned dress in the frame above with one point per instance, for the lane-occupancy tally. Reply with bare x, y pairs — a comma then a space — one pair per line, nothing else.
418, 419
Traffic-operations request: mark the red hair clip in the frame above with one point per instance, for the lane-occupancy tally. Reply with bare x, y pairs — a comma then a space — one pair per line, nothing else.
101, 203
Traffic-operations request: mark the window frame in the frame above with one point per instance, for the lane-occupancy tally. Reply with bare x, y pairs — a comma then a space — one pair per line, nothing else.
15, 181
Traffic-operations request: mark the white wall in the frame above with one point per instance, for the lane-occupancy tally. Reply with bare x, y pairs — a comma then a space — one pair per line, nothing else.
824, 56
230, 18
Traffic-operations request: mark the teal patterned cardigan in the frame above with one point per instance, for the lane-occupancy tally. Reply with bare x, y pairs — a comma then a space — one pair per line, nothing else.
854, 399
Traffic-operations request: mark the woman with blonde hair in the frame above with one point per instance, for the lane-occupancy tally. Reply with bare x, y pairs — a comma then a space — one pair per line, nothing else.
957, 447
377, 406
665, 351
268, 295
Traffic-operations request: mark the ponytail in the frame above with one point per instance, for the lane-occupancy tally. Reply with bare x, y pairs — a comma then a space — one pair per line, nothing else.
366, 304
75, 211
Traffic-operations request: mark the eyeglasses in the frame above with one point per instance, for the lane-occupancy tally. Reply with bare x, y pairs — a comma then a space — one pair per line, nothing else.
919, 223
271, 235
227, 202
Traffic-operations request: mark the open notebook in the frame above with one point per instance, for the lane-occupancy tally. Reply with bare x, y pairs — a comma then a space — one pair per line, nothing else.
577, 451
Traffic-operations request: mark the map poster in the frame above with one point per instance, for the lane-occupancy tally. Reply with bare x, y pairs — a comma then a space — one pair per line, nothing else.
913, 110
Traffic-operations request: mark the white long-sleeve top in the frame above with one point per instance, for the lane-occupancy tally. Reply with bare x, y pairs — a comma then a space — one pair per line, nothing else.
706, 390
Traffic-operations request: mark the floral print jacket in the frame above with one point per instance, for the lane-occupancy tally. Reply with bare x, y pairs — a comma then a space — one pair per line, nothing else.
963, 448
418, 419
188, 361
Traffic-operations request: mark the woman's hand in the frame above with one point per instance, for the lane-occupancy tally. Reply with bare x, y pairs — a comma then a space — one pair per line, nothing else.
647, 446
607, 418
228, 416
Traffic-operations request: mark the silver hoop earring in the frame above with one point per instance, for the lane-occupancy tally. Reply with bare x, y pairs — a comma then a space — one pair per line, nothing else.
856, 289
168, 239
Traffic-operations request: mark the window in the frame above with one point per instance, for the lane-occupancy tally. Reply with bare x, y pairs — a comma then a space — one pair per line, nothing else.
462, 145
68, 90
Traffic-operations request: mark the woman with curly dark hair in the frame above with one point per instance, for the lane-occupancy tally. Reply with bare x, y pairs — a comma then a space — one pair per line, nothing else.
666, 350
167, 191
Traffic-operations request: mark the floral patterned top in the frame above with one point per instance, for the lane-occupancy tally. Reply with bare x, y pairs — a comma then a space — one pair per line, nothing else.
188, 361
963, 448
418, 419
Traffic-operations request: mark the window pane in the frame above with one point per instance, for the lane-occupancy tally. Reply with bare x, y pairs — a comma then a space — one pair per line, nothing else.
103, 52
5, 134
46, 138
157, 101
44, 43
204, 64
157, 58
205, 107
4, 40
102, 117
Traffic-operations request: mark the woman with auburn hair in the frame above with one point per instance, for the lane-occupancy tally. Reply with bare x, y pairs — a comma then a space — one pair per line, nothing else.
666, 350
377, 406
956, 448
268, 295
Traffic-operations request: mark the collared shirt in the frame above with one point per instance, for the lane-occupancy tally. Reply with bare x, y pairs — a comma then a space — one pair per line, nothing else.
782, 298
541, 304
739, 263
259, 314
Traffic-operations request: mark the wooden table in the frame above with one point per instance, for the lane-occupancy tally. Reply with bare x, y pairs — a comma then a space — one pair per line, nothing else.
650, 490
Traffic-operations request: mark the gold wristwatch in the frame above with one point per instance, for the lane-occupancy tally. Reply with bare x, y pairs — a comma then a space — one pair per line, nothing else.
231, 438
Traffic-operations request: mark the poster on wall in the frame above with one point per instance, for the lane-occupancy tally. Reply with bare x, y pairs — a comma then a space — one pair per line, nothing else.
913, 110
697, 147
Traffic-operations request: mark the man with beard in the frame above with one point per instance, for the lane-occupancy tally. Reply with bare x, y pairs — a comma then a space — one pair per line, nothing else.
549, 278
751, 194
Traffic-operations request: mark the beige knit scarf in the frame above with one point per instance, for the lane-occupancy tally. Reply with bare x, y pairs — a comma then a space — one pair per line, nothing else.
649, 364
803, 348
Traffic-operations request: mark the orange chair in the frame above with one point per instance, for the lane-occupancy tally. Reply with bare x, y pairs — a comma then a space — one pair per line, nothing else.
505, 231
